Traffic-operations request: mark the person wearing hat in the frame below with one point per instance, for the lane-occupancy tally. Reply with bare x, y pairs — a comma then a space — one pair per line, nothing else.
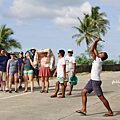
70, 69
20, 59
61, 76
13, 71
27, 70
44, 72
36, 70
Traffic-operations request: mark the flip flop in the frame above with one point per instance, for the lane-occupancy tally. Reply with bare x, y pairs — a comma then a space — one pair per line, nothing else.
79, 111
42, 91
25, 91
106, 115
53, 96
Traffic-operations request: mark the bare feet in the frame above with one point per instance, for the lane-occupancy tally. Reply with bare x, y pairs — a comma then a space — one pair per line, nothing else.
31, 90
108, 114
62, 96
52, 96
60, 93
69, 94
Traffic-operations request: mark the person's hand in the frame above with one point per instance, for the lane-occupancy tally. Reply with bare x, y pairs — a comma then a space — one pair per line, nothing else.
28, 57
7, 74
98, 39
64, 77
73, 75
54, 75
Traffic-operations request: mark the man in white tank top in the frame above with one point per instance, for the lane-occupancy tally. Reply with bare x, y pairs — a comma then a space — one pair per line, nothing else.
95, 82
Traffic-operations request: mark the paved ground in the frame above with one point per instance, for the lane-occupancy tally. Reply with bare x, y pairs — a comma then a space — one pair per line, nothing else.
39, 106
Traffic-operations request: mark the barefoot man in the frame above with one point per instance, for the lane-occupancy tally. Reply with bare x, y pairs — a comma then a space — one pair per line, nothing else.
95, 82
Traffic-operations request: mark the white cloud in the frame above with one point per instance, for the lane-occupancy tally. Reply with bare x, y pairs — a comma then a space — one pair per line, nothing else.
118, 28
63, 12
21, 23
71, 14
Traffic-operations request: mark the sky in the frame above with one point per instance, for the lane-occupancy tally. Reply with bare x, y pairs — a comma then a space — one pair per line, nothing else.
49, 24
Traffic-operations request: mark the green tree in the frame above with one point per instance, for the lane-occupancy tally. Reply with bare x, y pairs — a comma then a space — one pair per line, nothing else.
6, 41
85, 31
99, 21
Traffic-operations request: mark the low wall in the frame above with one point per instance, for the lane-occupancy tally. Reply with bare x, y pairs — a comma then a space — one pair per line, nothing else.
87, 68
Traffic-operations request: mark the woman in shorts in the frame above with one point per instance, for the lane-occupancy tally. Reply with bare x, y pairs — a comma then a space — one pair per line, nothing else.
12, 71
27, 71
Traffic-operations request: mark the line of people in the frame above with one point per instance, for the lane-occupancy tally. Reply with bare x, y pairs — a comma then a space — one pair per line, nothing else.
12, 68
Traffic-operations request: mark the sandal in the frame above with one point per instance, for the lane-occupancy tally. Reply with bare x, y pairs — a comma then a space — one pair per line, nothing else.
42, 91
79, 111
46, 91
25, 91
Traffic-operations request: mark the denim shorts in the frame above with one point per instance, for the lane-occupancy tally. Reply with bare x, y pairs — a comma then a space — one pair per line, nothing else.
95, 86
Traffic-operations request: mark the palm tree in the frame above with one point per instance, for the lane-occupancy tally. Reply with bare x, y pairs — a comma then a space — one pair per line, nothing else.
85, 32
99, 21
6, 41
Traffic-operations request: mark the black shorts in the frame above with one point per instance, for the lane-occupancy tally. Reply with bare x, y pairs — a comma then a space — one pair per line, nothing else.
36, 72
95, 86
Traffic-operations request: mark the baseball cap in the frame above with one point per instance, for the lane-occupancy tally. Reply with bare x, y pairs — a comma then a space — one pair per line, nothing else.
12, 53
70, 50
21, 52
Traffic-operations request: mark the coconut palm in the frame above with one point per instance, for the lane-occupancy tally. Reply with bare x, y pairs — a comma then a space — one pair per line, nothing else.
86, 31
6, 41
100, 21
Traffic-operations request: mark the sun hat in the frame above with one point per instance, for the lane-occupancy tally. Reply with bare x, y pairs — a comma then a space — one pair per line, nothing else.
33, 49
73, 80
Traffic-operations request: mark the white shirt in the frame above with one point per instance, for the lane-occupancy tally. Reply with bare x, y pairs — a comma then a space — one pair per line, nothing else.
69, 62
96, 69
60, 64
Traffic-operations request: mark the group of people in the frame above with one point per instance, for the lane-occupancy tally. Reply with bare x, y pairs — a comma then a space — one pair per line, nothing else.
65, 69
12, 68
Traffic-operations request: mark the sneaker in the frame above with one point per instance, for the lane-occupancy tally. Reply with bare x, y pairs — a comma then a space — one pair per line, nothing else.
20, 87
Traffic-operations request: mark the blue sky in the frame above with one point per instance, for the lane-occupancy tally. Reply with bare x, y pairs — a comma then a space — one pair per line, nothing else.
48, 23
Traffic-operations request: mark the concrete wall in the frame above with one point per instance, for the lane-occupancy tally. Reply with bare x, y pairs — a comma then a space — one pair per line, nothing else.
87, 68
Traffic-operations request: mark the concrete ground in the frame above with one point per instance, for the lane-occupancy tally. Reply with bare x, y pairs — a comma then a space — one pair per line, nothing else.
39, 106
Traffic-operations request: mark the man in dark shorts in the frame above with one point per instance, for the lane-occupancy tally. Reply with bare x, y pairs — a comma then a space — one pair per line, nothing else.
36, 70
95, 82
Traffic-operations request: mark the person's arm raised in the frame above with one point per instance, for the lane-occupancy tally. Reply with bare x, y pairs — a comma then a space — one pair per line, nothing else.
93, 48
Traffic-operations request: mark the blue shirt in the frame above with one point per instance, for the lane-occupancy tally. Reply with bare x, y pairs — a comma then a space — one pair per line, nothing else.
20, 60
3, 63
27, 64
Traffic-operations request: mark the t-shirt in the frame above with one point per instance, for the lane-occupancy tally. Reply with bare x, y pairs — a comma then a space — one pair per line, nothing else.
20, 60
3, 63
96, 69
69, 62
27, 64
60, 64
13, 66
43, 61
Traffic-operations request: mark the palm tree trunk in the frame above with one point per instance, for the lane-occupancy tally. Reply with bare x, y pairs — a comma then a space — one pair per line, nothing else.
88, 48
